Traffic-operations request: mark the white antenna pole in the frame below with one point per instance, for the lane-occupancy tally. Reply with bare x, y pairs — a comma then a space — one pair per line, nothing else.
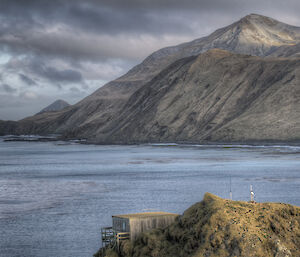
251, 194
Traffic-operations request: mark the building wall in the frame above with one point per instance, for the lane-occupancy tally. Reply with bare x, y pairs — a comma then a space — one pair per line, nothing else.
120, 224
140, 224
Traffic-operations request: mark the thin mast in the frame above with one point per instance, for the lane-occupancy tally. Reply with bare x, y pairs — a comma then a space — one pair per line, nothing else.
230, 192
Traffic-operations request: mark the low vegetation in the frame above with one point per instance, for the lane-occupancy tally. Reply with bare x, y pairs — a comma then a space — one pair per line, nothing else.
219, 227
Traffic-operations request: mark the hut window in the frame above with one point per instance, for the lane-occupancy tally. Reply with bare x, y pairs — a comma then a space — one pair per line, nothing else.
124, 226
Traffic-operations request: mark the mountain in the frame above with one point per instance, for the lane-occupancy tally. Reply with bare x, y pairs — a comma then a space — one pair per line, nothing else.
254, 35
216, 96
58, 105
96, 116
217, 227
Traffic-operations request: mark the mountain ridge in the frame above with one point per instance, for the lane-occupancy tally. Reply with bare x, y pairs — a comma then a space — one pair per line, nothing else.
101, 109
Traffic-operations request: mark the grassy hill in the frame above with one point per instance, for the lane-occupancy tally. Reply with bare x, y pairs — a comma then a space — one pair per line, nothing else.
219, 227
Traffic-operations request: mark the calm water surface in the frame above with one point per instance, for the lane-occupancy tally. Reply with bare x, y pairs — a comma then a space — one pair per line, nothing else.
54, 197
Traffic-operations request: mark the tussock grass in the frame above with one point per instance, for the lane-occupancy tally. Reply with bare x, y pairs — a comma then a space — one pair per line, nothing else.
220, 227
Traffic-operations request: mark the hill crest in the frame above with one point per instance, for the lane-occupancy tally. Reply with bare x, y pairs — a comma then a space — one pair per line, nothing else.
219, 227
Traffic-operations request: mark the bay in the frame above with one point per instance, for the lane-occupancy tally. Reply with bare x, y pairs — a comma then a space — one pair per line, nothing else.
55, 196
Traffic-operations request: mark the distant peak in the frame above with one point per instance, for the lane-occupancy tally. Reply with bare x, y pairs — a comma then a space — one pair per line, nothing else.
55, 106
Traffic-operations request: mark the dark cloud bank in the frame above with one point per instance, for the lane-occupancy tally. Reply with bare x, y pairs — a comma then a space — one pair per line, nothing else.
67, 49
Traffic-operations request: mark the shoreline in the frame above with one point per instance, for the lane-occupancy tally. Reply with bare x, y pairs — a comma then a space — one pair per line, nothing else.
224, 144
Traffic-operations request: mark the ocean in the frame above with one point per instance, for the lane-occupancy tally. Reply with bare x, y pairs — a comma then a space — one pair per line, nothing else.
56, 196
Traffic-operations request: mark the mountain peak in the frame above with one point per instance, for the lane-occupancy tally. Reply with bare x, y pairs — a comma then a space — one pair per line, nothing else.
55, 106
259, 35
254, 18
253, 34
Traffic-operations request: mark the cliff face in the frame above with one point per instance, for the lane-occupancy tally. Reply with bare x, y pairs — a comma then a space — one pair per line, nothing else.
218, 227
98, 115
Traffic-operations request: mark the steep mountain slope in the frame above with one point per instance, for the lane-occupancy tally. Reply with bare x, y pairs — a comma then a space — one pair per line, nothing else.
292, 51
217, 227
58, 105
217, 96
94, 115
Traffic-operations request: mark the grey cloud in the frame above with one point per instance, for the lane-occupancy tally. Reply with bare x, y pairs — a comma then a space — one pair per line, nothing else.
78, 29
38, 67
74, 90
60, 75
50, 8
110, 20
27, 80
8, 89
59, 86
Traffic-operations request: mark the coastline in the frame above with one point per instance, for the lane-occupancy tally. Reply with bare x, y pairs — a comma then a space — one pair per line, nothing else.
233, 144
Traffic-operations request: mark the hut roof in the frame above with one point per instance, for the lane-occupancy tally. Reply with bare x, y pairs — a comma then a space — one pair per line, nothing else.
145, 215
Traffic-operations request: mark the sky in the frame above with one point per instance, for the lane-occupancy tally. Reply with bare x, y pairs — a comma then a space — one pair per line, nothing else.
66, 49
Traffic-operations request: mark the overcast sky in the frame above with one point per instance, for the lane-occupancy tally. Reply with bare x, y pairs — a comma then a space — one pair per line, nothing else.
66, 49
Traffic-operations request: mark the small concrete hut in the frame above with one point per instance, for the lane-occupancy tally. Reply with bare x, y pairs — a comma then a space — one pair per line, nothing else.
134, 224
